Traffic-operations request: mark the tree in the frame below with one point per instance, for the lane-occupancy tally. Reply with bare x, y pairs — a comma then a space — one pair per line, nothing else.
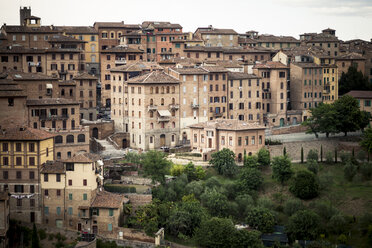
350, 171
133, 157
304, 225
251, 161
312, 166
224, 162
284, 151
263, 157
35, 238
321, 153
243, 202
304, 185
292, 206
177, 169
250, 179
338, 224
322, 120
349, 116
245, 238
261, 219
282, 170
366, 142
196, 188
155, 165
215, 202
215, 232
353, 80
312, 155
302, 155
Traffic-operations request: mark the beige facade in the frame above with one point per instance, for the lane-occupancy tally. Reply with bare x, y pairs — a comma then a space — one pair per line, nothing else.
238, 136
218, 37
86, 95
22, 152
365, 100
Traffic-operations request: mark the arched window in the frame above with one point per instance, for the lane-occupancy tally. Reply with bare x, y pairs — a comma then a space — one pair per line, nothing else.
58, 139
151, 101
70, 138
151, 90
151, 139
62, 92
93, 58
81, 138
162, 102
173, 89
152, 125
173, 101
156, 90
173, 125
167, 89
108, 66
162, 90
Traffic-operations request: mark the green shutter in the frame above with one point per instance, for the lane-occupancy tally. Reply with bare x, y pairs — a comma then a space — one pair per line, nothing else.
85, 197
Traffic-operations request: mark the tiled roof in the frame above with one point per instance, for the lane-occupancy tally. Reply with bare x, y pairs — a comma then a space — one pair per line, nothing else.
25, 76
154, 77
228, 64
24, 133
109, 24
18, 49
139, 66
53, 167
218, 31
24, 29
51, 101
228, 124
306, 65
106, 199
360, 94
57, 38
323, 38
77, 29
122, 49
273, 38
241, 75
350, 56
192, 71
271, 65
67, 83
9, 88
247, 40
83, 158
85, 75
214, 68
155, 24
62, 50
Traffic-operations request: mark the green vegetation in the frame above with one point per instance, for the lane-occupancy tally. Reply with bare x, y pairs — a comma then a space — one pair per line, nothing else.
118, 188
353, 80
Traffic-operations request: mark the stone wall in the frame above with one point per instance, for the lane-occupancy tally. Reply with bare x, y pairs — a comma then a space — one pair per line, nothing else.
136, 180
100, 129
118, 139
288, 129
139, 199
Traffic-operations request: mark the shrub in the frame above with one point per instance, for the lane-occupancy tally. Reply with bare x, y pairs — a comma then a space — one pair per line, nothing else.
189, 154
312, 155
302, 155
251, 162
261, 219
329, 158
304, 224
42, 234
324, 209
326, 180
338, 224
345, 156
366, 171
117, 188
272, 142
342, 239
250, 179
312, 166
282, 170
177, 169
263, 156
212, 182
292, 206
361, 155
305, 185
350, 171
265, 202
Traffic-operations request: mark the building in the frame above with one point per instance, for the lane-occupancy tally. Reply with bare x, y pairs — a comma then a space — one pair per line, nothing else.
275, 82
23, 151
238, 136
4, 218
244, 97
276, 42
326, 40
60, 117
364, 98
86, 95
347, 60
218, 37
68, 189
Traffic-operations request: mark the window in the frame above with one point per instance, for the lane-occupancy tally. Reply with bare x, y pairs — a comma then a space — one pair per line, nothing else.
18, 188
32, 161
5, 174
84, 182
46, 177
253, 140
58, 177
31, 147
58, 210
109, 227
46, 210
70, 197
46, 192
19, 161
69, 210
85, 196
111, 212
10, 101
69, 166
69, 182
58, 192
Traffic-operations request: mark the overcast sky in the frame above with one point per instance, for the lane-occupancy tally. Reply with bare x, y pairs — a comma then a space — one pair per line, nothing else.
352, 19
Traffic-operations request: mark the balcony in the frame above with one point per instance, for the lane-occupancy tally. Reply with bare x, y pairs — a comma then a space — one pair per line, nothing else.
174, 106
152, 107
120, 61
266, 90
53, 117
194, 106
326, 92
163, 118
62, 72
218, 114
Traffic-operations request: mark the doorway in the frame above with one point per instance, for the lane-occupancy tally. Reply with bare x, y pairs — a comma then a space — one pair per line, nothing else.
95, 133
162, 140
125, 143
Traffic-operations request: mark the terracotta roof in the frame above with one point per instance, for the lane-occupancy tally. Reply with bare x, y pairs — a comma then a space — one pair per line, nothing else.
154, 77
109, 24
218, 31
228, 64
83, 158
138, 66
241, 75
306, 65
63, 50
24, 133
323, 38
24, 29
77, 29
57, 38
350, 56
121, 49
106, 199
247, 40
156, 24
67, 83
25, 76
214, 68
271, 65
228, 124
18, 49
273, 38
360, 94
85, 75
8, 88
53, 167
192, 71
51, 101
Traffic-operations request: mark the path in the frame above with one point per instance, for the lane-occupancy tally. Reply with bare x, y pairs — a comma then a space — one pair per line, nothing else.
110, 151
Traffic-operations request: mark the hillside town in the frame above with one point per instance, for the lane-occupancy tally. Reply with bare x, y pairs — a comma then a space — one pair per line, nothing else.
87, 110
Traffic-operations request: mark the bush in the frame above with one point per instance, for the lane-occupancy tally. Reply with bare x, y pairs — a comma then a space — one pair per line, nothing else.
189, 154
265, 202
366, 171
324, 209
345, 156
250, 179
177, 169
196, 188
305, 185
329, 158
263, 156
313, 155
117, 188
304, 224
272, 142
251, 161
42, 234
342, 239
243, 202
350, 171
312, 166
212, 182
281, 167
292, 206
261, 219
337, 224
361, 155
326, 180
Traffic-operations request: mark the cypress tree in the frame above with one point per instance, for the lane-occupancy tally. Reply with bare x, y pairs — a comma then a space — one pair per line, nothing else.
284, 151
35, 238
353, 153
321, 153
302, 155
335, 155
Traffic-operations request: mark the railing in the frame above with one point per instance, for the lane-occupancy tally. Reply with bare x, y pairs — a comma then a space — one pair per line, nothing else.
152, 107
62, 71
174, 106
266, 90
61, 130
194, 106
53, 117
163, 118
120, 61
218, 114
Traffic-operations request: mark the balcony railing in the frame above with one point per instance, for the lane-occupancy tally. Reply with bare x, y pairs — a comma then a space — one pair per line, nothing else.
53, 117
71, 130
194, 106
62, 71
217, 114
174, 106
152, 107
266, 90
163, 118
120, 61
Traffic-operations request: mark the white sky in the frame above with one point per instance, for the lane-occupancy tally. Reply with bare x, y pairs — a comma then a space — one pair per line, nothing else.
352, 19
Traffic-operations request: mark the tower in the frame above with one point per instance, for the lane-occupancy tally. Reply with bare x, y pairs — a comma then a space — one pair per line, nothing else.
23, 14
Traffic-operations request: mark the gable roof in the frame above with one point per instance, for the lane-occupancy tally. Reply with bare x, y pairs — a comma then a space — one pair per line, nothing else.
106, 199
24, 133
154, 77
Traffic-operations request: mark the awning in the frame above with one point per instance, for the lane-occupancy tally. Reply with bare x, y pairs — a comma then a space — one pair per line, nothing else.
164, 113
49, 86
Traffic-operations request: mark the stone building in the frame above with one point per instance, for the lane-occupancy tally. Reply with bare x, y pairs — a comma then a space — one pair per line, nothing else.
4, 218
347, 60
218, 37
276, 42
326, 40
364, 98
86, 95
23, 151
238, 136
62, 118
275, 92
